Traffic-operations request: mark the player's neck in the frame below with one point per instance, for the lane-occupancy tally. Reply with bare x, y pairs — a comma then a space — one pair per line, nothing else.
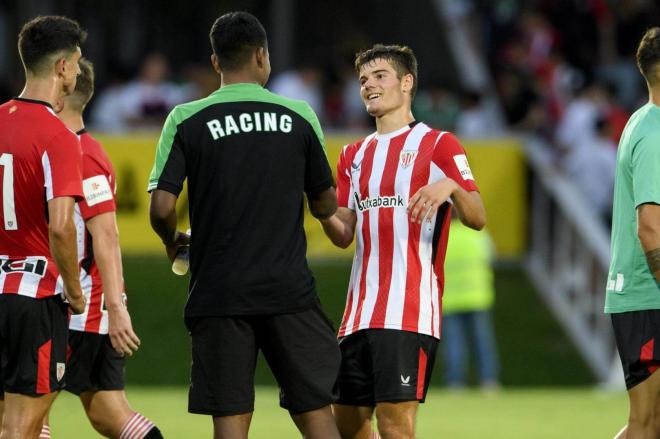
72, 119
654, 94
240, 77
394, 120
47, 90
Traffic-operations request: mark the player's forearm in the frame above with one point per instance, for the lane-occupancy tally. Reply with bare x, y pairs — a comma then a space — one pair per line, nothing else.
162, 214
340, 227
648, 231
63, 248
470, 208
107, 254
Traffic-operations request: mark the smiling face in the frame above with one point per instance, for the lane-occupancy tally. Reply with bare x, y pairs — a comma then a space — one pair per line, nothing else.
380, 88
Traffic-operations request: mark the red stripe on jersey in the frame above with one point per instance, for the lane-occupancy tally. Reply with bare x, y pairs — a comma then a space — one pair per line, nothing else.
46, 286
386, 232
420, 177
439, 263
347, 311
43, 368
646, 356
421, 374
12, 283
365, 175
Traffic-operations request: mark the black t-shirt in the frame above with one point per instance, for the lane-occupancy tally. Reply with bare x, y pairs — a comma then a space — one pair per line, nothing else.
248, 156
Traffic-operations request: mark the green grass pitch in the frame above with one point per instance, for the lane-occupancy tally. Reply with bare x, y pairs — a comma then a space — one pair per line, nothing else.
531, 413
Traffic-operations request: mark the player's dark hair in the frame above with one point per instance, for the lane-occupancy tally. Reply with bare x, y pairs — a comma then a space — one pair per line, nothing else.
401, 58
44, 36
234, 38
84, 86
648, 55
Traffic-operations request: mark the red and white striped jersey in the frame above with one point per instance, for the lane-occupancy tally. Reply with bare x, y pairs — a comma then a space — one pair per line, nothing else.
40, 159
99, 187
397, 276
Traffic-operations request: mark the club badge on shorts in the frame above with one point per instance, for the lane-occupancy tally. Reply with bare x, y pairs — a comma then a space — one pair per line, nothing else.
61, 367
406, 158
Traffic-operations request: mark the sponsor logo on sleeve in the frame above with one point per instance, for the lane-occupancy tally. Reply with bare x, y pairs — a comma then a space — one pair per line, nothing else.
97, 190
463, 166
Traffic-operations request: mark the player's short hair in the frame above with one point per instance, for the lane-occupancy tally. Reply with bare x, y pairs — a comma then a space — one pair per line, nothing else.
401, 58
234, 38
648, 55
84, 86
45, 36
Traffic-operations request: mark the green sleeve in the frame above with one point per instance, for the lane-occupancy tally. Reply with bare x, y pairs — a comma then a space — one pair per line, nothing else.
163, 149
646, 170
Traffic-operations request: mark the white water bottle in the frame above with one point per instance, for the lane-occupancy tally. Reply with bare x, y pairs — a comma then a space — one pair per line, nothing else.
182, 259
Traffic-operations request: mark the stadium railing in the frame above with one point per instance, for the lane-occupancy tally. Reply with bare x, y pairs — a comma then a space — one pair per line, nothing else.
568, 262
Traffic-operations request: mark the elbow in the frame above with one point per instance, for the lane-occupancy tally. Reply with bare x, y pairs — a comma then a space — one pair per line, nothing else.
476, 222
648, 234
344, 242
323, 211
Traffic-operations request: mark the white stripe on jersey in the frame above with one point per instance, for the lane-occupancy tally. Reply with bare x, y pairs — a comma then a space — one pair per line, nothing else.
29, 284
77, 322
80, 234
394, 314
48, 178
3, 276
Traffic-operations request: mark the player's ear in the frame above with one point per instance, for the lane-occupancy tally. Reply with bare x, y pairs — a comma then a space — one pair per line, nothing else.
260, 56
216, 64
60, 66
407, 83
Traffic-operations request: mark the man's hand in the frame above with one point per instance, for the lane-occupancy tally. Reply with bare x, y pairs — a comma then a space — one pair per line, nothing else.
426, 201
180, 240
120, 329
77, 301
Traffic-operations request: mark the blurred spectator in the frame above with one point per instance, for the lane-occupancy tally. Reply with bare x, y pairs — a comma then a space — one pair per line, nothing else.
476, 120
304, 84
466, 303
592, 166
577, 126
143, 103
437, 107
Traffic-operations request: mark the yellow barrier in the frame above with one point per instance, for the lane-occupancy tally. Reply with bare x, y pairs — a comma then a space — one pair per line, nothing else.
498, 166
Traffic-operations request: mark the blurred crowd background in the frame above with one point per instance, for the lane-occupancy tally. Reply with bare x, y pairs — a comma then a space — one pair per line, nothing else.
560, 69
556, 76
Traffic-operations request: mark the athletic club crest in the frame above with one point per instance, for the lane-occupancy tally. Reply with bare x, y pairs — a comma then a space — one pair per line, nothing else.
60, 371
407, 158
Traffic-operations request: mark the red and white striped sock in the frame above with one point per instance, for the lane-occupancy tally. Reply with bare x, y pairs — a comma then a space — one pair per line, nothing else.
136, 427
375, 435
45, 432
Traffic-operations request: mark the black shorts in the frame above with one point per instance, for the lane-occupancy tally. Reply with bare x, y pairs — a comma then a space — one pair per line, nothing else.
33, 339
381, 365
636, 333
300, 348
93, 364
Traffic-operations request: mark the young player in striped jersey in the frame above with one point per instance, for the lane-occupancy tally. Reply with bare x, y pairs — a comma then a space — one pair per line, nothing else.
40, 164
395, 189
100, 337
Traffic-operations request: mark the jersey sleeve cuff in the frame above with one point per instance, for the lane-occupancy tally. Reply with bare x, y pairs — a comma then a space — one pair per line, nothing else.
320, 187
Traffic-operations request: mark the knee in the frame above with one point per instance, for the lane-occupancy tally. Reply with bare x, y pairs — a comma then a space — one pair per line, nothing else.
396, 428
20, 427
641, 418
